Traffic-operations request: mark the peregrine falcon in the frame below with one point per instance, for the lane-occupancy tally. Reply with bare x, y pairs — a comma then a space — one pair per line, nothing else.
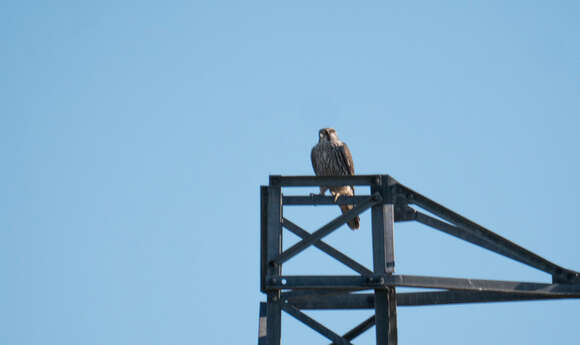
331, 157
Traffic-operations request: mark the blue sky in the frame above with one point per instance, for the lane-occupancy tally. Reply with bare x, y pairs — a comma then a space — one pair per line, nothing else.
135, 135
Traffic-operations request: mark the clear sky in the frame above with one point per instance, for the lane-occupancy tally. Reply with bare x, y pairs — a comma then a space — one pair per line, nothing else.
134, 136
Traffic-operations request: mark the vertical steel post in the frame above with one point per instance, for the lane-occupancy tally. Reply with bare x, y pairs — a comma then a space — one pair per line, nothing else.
262, 323
384, 263
274, 248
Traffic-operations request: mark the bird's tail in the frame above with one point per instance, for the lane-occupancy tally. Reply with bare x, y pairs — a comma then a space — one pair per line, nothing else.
354, 223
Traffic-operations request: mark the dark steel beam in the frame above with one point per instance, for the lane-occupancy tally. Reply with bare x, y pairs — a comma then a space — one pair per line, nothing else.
321, 282
311, 293
326, 229
315, 199
338, 301
461, 297
273, 320
305, 181
360, 329
273, 249
392, 315
504, 246
484, 285
315, 325
262, 329
298, 231
460, 233
367, 300
383, 219
402, 212
263, 236
362, 283
383, 244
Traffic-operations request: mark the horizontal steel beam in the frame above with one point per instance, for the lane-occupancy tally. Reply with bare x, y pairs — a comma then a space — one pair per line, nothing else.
364, 283
461, 297
571, 290
310, 293
402, 212
305, 181
367, 300
338, 301
316, 199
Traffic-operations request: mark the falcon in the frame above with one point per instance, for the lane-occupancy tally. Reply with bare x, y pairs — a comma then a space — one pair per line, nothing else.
331, 157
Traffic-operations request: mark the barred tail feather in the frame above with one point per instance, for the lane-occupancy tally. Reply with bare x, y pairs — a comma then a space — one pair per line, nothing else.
354, 223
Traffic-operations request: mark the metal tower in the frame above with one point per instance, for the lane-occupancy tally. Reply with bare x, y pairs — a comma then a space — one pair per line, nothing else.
389, 203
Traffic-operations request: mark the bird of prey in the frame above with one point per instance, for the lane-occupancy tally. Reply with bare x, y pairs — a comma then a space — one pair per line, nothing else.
331, 157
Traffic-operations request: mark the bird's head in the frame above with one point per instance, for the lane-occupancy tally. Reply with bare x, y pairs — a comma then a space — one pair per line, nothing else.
327, 134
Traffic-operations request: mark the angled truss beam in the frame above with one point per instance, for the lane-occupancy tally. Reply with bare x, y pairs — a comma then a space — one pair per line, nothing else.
359, 329
465, 235
315, 325
504, 246
327, 229
298, 231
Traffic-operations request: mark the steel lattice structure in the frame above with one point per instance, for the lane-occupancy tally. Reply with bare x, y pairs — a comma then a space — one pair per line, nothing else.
389, 203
